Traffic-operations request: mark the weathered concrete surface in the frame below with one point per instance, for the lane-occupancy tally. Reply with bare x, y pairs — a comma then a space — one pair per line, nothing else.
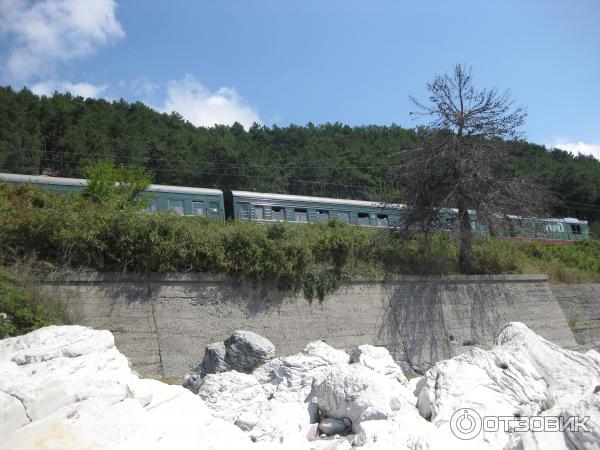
581, 305
441, 318
164, 322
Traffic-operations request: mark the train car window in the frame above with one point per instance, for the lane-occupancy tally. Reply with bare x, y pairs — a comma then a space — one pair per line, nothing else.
176, 206
300, 215
344, 216
322, 215
198, 208
382, 220
213, 209
575, 228
278, 213
244, 211
259, 212
152, 206
363, 219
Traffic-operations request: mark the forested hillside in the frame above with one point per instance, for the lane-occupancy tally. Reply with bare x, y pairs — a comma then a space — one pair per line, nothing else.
62, 134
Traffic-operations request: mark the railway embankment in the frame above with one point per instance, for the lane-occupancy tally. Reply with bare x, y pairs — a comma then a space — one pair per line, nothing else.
163, 322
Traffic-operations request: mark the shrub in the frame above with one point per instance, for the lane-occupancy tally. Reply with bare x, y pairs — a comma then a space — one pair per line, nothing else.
417, 253
25, 307
119, 187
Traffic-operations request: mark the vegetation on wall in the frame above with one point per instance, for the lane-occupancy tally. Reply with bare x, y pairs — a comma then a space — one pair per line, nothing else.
23, 307
74, 232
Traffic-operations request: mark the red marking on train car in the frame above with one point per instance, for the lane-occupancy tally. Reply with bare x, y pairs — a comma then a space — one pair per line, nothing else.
543, 241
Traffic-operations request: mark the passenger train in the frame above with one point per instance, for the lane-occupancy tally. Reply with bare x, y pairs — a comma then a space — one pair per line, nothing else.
264, 208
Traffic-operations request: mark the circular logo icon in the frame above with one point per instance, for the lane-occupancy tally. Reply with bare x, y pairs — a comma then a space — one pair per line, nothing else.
465, 423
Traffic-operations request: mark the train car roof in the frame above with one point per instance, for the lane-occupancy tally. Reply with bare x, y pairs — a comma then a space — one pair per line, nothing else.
80, 182
302, 198
550, 219
182, 189
42, 179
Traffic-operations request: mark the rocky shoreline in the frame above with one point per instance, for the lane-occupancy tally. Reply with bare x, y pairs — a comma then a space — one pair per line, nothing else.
69, 387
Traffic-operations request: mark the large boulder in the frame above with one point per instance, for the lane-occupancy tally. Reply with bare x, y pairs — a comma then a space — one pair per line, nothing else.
242, 351
214, 358
358, 393
233, 394
245, 350
377, 359
69, 387
290, 378
523, 375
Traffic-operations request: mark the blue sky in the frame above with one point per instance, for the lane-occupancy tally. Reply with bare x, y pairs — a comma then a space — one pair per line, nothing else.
312, 61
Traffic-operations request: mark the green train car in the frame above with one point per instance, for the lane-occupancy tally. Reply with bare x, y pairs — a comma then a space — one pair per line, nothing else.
182, 200
567, 229
557, 230
263, 207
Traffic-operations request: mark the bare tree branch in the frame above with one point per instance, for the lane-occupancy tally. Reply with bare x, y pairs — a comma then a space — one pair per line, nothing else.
463, 162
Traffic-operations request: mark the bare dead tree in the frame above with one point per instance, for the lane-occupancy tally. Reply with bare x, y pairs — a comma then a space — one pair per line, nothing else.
463, 162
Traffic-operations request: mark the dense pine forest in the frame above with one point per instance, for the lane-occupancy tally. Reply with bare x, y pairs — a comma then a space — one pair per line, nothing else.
62, 134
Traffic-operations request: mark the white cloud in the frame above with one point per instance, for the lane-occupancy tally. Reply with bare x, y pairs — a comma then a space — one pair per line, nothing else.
86, 90
200, 106
140, 86
579, 147
40, 33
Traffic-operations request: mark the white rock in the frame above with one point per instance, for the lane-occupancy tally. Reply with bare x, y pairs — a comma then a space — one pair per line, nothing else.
290, 378
69, 387
54, 341
567, 373
594, 356
12, 413
230, 394
477, 380
43, 400
522, 375
283, 422
586, 407
409, 431
357, 393
377, 359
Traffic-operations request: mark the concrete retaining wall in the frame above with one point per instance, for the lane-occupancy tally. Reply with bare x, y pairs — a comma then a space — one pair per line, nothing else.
164, 322
581, 305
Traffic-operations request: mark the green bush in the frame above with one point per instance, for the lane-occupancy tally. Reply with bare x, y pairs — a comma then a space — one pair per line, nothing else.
25, 306
117, 186
417, 253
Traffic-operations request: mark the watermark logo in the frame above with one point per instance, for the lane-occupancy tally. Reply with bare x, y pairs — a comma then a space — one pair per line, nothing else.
466, 423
